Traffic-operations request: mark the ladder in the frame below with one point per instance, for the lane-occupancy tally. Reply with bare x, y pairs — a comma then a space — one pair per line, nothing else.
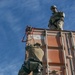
63, 49
72, 49
70, 42
46, 43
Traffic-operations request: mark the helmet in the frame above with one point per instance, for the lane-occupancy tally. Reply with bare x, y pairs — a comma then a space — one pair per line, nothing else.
53, 7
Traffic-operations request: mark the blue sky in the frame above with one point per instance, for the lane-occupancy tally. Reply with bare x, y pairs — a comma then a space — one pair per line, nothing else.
14, 16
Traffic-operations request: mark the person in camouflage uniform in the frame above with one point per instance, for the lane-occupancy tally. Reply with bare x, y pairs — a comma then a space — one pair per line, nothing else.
34, 61
56, 21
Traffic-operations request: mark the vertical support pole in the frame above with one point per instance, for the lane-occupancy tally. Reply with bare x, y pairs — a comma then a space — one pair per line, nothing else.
73, 49
46, 42
63, 48
69, 51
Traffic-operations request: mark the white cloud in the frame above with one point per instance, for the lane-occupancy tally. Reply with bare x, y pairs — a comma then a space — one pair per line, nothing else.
32, 5
9, 69
5, 3
12, 21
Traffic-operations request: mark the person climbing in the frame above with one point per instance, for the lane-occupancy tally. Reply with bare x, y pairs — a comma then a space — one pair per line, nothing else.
56, 21
34, 60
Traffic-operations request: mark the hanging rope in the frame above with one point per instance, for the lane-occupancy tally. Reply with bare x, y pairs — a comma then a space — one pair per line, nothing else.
28, 30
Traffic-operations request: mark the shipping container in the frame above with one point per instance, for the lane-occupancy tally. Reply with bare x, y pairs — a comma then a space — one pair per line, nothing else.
59, 50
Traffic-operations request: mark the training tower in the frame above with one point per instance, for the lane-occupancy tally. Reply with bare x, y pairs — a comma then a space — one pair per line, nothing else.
59, 49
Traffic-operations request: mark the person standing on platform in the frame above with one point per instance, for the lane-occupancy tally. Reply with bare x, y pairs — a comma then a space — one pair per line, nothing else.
56, 21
